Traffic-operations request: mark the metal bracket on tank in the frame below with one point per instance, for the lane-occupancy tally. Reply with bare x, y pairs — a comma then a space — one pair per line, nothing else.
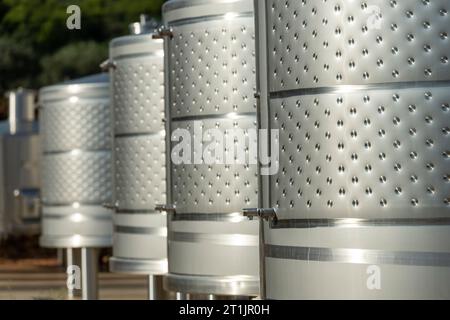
108, 65
165, 208
269, 214
163, 32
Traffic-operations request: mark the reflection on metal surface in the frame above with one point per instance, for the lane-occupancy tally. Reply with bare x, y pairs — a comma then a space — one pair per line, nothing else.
215, 239
355, 223
226, 17
162, 232
359, 256
224, 217
74, 241
77, 217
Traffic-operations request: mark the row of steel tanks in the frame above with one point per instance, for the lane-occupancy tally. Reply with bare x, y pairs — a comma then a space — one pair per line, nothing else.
353, 99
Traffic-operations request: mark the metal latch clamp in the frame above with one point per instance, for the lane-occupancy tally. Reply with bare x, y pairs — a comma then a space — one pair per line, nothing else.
268, 214
108, 65
163, 32
165, 208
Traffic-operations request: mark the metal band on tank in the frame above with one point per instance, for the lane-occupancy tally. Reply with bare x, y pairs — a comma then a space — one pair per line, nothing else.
356, 223
162, 232
99, 93
136, 211
359, 256
233, 116
136, 56
180, 22
57, 152
140, 134
240, 240
82, 217
222, 217
74, 205
356, 88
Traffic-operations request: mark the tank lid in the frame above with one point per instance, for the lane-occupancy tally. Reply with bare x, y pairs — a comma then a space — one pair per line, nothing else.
175, 10
90, 86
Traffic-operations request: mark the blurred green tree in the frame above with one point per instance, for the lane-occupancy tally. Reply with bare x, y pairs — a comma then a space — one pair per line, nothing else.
37, 49
68, 63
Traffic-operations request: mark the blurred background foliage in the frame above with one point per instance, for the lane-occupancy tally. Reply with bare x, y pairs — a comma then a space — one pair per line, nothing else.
37, 49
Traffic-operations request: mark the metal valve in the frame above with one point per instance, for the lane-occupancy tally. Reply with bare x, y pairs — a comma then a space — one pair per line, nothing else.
163, 32
266, 214
108, 65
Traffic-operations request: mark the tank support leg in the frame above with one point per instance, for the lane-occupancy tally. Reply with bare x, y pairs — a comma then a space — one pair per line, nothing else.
89, 272
152, 288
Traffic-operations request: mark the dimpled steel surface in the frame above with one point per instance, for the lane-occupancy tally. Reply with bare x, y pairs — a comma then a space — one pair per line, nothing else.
211, 60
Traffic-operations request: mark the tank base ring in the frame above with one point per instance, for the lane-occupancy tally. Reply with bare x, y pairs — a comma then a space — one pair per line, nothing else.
138, 266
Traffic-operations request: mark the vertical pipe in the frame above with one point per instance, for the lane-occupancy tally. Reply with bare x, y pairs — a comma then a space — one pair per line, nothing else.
89, 271
152, 288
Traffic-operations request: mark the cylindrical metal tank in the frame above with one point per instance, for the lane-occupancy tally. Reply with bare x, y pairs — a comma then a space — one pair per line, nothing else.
76, 163
22, 111
359, 94
137, 84
19, 166
210, 81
